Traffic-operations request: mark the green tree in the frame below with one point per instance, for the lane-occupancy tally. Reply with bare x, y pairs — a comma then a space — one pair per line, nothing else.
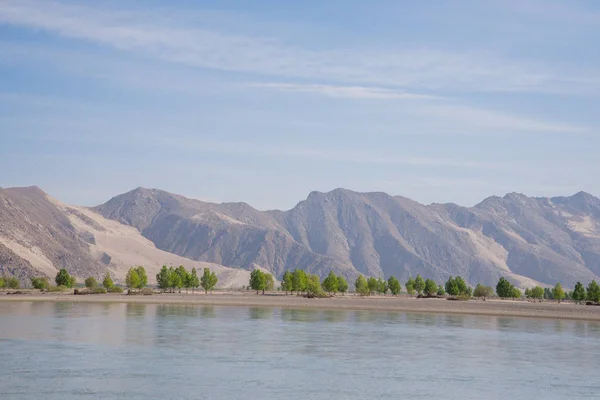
330, 283
342, 284
593, 292
258, 281
143, 278
2, 282
107, 282
362, 287
382, 286
175, 279
270, 282
504, 289
516, 293
419, 284
483, 291
431, 287
40, 283
313, 285
91, 283
410, 286
183, 277
286, 282
452, 287
441, 291
537, 293
528, 293
394, 285
209, 280
299, 280
558, 293
132, 279
372, 284
579, 294
64, 279
163, 279
194, 281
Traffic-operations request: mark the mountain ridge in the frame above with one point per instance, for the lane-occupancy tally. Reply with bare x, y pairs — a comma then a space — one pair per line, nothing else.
531, 239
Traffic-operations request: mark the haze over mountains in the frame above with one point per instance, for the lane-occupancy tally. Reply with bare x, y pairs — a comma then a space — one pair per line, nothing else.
528, 240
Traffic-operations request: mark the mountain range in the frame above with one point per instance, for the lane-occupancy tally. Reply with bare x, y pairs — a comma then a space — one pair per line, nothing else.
528, 240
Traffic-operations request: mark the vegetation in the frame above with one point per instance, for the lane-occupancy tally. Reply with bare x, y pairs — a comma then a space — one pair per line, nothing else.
40, 283
91, 283
2, 282
64, 279
373, 285
441, 291
107, 282
431, 288
516, 293
193, 280
505, 289
558, 293
299, 281
115, 289
136, 278
286, 282
410, 286
342, 284
330, 283
579, 295
258, 281
11, 282
313, 285
361, 285
419, 284
209, 280
58, 288
593, 292
457, 287
394, 285
483, 291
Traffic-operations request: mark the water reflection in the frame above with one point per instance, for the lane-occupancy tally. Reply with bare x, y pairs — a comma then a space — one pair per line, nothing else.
260, 313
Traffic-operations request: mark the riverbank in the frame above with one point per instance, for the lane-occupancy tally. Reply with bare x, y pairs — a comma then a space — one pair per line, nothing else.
348, 302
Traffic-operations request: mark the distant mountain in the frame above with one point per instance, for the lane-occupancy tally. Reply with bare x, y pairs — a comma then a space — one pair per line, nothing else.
528, 240
39, 235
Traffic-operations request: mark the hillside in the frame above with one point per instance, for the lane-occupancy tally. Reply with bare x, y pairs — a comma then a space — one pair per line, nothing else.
39, 235
528, 240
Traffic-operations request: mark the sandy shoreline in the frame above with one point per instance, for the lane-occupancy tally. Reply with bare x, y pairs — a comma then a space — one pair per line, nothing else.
348, 302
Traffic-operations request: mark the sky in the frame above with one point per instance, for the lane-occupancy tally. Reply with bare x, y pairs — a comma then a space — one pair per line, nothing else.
266, 101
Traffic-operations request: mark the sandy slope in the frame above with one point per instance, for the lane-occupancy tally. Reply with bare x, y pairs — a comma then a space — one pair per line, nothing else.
127, 247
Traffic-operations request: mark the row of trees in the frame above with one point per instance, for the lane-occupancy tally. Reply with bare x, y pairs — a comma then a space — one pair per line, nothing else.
9, 282
176, 278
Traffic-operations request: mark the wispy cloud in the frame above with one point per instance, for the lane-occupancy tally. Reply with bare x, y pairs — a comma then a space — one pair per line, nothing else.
338, 91
169, 38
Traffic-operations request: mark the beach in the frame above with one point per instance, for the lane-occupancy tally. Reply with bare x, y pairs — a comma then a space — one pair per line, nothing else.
492, 307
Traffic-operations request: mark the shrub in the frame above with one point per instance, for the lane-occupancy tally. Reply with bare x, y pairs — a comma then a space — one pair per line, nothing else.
2, 283
40, 283
59, 288
12, 282
115, 289
91, 282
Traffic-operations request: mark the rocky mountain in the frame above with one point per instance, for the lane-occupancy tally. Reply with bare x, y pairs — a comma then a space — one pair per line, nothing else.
529, 240
39, 235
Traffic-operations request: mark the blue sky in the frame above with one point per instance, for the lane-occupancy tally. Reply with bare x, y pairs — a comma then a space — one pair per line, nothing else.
265, 101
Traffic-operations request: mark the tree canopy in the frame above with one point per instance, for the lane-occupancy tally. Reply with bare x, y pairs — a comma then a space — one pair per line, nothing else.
361, 285
342, 284
504, 289
419, 284
330, 283
107, 282
91, 283
298, 280
209, 280
558, 293
410, 286
394, 285
258, 281
579, 295
483, 291
286, 282
40, 283
64, 279
431, 287
593, 292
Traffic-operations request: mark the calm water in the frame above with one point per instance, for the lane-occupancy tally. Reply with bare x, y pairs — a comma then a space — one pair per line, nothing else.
119, 351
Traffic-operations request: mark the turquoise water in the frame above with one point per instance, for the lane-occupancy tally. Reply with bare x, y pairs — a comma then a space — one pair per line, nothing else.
131, 351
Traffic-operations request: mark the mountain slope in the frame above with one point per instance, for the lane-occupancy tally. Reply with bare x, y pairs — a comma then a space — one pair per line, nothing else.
528, 240
39, 235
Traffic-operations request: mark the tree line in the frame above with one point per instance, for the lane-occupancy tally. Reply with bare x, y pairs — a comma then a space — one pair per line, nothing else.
169, 279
